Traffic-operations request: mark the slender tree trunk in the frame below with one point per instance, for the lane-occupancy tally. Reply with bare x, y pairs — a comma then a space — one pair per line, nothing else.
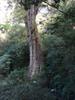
34, 43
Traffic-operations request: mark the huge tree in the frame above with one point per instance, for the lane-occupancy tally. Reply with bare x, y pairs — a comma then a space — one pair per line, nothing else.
36, 59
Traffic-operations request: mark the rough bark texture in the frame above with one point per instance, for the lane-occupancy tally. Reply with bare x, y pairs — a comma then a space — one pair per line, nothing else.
34, 42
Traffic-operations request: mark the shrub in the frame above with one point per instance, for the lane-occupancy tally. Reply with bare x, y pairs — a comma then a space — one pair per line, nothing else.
19, 55
25, 92
17, 76
4, 64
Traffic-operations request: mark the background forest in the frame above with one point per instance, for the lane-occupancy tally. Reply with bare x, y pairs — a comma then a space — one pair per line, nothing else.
56, 27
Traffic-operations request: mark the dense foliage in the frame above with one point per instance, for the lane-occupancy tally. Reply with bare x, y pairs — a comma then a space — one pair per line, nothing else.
57, 80
27, 3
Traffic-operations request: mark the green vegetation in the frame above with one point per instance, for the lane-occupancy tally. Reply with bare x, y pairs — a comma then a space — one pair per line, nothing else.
57, 79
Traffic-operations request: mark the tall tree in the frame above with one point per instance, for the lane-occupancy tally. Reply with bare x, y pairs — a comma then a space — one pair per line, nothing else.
36, 61
34, 42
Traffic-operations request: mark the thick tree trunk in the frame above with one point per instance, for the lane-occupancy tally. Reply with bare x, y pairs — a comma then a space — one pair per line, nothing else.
34, 43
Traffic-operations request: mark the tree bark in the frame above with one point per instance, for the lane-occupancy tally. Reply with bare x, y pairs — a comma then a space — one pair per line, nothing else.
36, 61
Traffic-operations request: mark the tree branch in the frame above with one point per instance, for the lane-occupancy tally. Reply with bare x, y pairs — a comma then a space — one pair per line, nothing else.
55, 7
